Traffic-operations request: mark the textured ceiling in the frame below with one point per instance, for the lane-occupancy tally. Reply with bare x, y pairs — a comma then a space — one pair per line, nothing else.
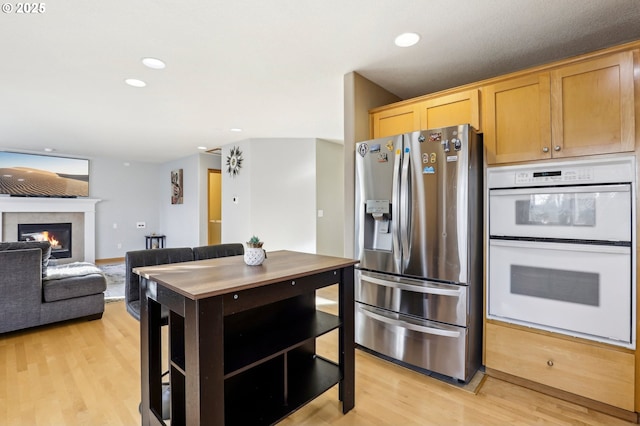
273, 67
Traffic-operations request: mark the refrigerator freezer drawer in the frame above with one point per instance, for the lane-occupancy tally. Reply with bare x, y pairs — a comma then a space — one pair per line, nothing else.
425, 344
425, 299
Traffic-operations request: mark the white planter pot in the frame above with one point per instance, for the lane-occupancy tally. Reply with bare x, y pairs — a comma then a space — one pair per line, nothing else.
254, 256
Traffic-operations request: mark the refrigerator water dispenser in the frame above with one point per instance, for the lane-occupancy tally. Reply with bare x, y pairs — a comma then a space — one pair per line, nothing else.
377, 225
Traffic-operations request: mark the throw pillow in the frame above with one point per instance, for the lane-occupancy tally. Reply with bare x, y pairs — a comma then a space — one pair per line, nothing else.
45, 246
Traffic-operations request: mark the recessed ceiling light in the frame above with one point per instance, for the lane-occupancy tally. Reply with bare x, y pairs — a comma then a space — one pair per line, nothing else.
135, 82
154, 63
235, 129
407, 39
48, 150
202, 148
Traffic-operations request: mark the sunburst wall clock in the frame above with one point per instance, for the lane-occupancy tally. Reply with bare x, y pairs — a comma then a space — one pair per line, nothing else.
234, 161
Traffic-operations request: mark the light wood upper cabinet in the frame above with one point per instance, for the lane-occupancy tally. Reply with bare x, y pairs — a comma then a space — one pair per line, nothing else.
592, 106
394, 121
443, 111
451, 110
517, 122
578, 109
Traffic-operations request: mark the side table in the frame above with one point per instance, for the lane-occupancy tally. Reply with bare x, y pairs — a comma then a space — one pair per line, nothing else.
155, 241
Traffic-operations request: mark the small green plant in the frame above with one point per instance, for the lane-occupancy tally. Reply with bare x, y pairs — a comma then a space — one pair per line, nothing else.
254, 242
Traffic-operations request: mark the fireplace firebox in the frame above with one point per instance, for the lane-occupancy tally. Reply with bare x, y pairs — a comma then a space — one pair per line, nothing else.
58, 234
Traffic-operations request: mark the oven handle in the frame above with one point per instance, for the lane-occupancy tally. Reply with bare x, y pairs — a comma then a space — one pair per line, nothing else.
410, 326
598, 248
561, 189
429, 289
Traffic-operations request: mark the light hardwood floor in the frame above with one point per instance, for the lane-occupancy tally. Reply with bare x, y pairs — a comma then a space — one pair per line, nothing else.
87, 373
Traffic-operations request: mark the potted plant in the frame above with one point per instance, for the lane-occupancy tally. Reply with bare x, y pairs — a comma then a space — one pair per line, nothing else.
254, 254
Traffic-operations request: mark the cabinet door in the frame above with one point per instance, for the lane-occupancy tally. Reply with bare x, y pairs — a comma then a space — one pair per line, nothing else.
395, 121
451, 110
592, 106
517, 119
598, 373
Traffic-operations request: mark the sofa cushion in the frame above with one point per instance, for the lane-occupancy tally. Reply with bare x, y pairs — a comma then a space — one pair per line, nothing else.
71, 280
45, 246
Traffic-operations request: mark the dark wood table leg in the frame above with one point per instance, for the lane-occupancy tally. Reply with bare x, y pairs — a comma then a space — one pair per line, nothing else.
204, 361
346, 389
150, 355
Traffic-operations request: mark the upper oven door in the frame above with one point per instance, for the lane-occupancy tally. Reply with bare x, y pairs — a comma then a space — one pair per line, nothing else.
593, 212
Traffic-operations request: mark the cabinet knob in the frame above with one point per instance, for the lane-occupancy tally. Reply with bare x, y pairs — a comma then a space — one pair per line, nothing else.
557, 148
545, 149
550, 363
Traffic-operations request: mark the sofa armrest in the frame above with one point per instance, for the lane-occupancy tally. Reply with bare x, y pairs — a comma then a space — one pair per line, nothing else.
20, 288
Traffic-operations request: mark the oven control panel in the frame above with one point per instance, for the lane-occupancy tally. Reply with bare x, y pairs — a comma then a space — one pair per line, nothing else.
566, 175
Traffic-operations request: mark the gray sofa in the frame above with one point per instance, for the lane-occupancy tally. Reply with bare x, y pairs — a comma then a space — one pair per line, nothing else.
34, 292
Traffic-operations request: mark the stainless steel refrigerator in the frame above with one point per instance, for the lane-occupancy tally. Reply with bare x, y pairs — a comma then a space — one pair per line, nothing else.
418, 230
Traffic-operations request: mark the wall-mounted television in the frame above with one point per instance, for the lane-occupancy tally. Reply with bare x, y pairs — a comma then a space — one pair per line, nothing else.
34, 175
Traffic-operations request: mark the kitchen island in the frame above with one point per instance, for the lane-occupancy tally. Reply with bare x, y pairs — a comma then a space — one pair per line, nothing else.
242, 338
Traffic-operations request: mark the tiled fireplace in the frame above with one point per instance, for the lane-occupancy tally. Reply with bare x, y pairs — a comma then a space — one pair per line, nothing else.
78, 212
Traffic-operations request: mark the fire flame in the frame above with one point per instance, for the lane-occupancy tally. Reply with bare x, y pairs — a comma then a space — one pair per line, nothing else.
54, 243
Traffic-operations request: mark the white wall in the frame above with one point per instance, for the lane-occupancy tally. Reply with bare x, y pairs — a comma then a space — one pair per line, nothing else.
330, 198
283, 193
185, 225
236, 197
275, 193
130, 193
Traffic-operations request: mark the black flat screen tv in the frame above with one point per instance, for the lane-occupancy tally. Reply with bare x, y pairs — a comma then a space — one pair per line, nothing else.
33, 175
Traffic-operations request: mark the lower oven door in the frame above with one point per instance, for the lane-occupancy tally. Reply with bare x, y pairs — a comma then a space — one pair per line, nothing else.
425, 344
425, 299
581, 290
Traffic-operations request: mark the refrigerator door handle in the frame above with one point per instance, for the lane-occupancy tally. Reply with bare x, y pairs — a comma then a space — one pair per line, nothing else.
405, 200
410, 326
395, 211
413, 288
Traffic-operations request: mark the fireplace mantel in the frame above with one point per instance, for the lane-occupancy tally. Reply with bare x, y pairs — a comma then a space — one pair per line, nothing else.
57, 205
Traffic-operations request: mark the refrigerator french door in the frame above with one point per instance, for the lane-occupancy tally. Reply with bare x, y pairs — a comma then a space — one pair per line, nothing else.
418, 238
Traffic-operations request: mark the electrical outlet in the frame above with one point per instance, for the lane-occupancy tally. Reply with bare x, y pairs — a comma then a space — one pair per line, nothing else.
119, 245
141, 225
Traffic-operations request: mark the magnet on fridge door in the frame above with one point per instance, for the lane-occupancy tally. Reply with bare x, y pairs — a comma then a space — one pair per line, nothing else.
429, 170
390, 146
363, 149
375, 148
382, 157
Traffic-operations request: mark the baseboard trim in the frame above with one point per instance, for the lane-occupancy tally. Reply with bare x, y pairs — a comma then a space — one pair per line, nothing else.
630, 416
112, 260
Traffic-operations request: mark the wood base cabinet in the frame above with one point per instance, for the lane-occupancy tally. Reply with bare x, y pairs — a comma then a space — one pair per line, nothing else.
590, 371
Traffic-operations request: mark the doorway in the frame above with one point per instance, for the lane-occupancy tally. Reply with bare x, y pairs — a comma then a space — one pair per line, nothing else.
215, 207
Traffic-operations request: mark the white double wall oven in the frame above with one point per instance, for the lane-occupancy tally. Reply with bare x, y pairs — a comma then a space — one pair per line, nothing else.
561, 247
